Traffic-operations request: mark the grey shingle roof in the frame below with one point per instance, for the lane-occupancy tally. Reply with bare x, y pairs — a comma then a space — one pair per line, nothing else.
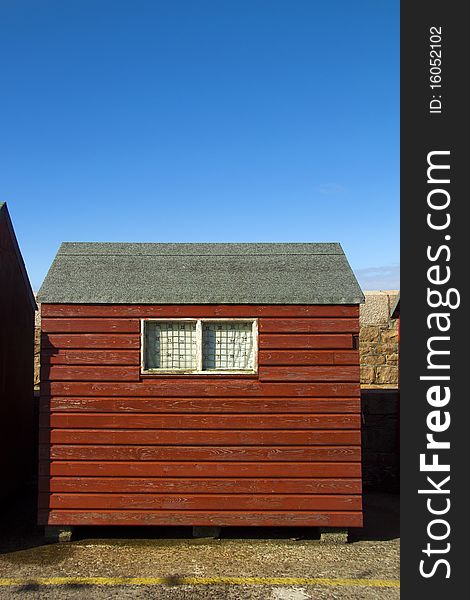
278, 273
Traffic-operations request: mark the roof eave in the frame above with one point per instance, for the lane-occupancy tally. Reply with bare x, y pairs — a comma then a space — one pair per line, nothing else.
6, 215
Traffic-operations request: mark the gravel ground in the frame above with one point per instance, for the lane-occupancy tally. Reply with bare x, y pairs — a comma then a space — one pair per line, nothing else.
215, 592
172, 553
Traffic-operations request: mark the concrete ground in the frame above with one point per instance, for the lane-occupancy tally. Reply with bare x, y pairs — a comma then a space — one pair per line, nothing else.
167, 563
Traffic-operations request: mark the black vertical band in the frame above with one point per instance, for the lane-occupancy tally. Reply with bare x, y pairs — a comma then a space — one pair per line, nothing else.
434, 291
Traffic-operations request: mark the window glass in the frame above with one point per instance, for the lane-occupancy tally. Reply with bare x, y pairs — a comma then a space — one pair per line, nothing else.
171, 345
227, 345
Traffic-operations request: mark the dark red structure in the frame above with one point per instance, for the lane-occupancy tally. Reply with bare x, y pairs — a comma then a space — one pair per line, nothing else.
17, 308
395, 314
200, 413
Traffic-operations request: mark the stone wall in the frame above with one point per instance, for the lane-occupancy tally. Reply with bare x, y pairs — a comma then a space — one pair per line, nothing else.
378, 341
380, 396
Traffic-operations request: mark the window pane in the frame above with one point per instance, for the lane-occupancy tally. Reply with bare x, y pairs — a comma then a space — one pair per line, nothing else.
227, 346
170, 345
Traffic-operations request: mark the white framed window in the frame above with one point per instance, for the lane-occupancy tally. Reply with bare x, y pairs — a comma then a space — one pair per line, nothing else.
199, 346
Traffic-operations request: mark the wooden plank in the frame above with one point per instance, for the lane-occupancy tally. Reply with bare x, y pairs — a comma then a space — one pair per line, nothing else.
323, 373
105, 469
87, 373
282, 341
265, 357
90, 357
218, 387
202, 518
109, 325
143, 311
80, 341
187, 501
308, 357
202, 405
201, 453
200, 421
334, 373
197, 485
309, 325
205, 437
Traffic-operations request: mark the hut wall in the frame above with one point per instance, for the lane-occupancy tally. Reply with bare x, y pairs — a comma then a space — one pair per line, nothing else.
17, 443
282, 447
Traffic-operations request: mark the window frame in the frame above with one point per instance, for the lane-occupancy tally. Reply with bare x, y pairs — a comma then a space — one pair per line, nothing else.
199, 347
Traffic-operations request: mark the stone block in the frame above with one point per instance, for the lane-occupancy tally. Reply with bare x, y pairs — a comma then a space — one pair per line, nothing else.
365, 347
387, 374
373, 359
369, 334
333, 536
367, 374
389, 335
376, 309
206, 532
56, 534
386, 348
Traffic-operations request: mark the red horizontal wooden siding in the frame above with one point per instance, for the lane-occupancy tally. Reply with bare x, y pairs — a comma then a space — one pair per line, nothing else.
198, 485
214, 404
241, 518
208, 469
279, 447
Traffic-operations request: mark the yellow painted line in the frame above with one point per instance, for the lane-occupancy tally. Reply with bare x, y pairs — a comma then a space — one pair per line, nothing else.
176, 580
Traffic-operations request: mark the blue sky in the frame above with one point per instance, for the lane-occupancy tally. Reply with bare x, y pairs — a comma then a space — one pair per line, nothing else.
202, 120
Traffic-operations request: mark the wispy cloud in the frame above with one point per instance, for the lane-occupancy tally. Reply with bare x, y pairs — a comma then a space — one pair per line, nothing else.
330, 189
379, 278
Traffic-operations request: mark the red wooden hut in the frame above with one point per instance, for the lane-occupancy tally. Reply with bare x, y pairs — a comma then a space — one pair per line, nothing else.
17, 308
200, 384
